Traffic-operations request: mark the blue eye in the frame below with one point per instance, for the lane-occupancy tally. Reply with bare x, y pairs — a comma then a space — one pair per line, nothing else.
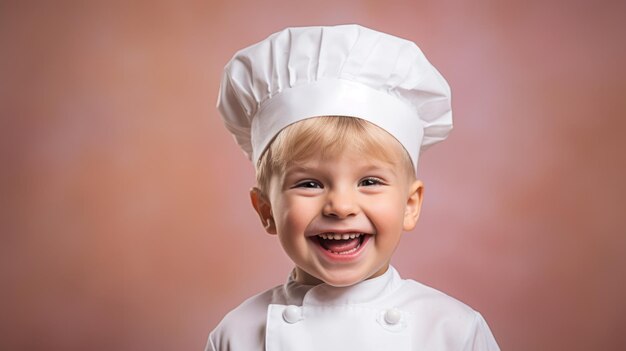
309, 184
370, 181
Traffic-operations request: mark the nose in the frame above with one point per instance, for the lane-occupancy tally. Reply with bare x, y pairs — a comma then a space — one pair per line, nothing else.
340, 203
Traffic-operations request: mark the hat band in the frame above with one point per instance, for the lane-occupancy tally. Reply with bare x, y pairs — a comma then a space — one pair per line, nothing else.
336, 97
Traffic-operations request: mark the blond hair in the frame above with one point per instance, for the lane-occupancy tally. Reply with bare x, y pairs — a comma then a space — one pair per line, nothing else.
325, 137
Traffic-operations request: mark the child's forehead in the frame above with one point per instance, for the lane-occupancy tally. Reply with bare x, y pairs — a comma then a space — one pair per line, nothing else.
380, 153
362, 142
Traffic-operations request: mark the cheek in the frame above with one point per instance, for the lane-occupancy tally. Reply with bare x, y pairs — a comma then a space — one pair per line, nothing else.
296, 214
388, 211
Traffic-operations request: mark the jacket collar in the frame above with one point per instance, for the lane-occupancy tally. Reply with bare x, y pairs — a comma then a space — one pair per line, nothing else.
366, 291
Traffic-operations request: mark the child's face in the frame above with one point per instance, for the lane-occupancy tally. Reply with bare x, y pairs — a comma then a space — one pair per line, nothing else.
367, 201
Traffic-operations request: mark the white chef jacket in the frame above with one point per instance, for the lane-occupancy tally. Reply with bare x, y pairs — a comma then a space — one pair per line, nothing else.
382, 313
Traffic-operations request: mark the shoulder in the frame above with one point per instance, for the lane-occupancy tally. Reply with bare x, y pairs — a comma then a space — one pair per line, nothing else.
243, 328
446, 318
421, 297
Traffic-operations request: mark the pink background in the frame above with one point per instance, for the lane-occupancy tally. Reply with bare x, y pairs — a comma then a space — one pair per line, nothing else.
124, 214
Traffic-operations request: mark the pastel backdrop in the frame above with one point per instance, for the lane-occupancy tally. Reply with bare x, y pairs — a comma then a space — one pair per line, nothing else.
124, 216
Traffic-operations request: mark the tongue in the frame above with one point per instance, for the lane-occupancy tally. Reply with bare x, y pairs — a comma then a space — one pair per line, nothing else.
339, 245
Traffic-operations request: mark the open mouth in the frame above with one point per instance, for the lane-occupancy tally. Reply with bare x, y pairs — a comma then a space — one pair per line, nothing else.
341, 243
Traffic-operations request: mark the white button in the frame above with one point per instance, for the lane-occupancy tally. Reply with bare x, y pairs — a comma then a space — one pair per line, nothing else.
292, 314
393, 316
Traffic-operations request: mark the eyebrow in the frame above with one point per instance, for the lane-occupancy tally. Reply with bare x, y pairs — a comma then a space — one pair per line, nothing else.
371, 168
298, 169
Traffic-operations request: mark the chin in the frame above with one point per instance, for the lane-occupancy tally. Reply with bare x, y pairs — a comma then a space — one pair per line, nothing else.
340, 280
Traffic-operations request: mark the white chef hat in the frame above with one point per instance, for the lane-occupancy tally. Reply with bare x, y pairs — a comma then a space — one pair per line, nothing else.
345, 70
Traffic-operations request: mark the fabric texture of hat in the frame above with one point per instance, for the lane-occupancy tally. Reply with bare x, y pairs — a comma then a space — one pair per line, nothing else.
345, 70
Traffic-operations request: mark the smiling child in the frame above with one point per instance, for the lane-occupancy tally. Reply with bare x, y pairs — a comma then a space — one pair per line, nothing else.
334, 119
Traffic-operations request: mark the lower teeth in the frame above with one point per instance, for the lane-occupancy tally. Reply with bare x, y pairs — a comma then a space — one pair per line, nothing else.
346, 252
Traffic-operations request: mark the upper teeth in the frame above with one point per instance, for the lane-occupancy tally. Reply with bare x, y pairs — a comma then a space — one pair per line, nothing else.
335, 236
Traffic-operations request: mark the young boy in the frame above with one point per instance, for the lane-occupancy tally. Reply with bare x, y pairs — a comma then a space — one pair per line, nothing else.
334, 119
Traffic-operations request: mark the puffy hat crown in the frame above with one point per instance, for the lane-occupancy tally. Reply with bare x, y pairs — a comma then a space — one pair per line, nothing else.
345, 70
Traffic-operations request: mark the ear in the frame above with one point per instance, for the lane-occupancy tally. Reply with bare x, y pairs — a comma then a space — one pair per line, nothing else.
263, 207
413, 205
